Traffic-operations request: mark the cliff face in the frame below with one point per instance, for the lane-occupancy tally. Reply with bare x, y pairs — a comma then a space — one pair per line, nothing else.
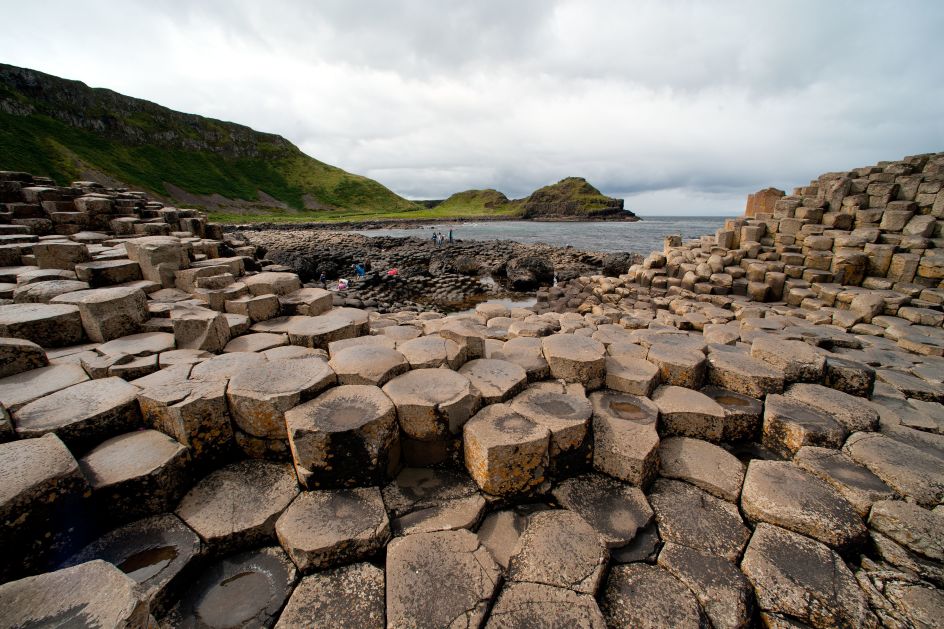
66, 130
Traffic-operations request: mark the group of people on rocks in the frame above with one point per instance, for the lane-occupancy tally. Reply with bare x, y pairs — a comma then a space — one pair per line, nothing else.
439, 239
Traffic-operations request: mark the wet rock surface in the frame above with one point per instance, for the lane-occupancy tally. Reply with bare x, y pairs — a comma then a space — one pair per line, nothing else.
740, 430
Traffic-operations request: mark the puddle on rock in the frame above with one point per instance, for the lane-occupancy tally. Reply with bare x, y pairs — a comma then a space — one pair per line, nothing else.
143, 565
235, 600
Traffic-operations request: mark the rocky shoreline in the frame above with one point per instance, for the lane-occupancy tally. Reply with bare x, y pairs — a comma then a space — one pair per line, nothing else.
738, 431
445, 278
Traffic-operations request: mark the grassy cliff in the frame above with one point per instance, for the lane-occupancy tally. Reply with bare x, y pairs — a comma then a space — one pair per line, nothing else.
66, 130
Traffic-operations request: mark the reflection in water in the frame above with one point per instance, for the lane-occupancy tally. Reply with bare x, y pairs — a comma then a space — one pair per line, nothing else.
143, 565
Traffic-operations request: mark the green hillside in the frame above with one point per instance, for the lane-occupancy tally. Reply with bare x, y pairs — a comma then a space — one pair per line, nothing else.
67, 131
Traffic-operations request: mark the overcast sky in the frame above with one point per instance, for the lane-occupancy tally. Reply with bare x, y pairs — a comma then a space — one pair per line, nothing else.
679, 107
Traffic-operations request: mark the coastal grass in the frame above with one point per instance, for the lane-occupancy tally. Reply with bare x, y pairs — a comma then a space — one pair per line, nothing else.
340, 216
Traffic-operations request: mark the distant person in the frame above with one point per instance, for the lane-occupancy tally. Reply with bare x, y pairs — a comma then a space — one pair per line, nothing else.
442, 239
359, 270
450, 236
435, 239
323, 280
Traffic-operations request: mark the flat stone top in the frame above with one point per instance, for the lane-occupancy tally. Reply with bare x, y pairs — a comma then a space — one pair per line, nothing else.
285, 375
367, 358
225, 366
341, 409
28, 463
625, 406
427, 387
75, 403
498, 425
129, 456
22, 388
493, 377
672, 399
237, 497
97, 295
13, 314
548, 401
572, 347
703, 464
93, 594
321, 519
139, 344
320, 324
417, 488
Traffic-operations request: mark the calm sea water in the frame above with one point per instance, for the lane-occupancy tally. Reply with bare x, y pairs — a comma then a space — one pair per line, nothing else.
640, 237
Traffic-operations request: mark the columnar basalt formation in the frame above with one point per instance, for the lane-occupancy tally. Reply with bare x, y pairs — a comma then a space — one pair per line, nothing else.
744, 430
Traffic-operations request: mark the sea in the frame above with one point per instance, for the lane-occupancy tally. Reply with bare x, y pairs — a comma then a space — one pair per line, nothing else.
642, 237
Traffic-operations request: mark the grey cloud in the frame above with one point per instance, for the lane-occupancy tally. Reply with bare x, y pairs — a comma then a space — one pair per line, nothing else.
686, 103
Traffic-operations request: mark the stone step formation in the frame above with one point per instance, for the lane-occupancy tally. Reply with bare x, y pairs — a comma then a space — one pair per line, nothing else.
191, 436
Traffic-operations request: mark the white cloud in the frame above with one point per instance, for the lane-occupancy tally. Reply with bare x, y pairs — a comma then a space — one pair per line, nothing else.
681, 107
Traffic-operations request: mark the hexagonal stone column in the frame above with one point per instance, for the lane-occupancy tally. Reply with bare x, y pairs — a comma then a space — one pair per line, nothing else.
93, 594
60, 254
631, 375
532, 604
43, 491
108, 313
691, 517
702, 464
526, 352
802, 578
575, 358
155, 552
355, 593
432, 351
237, 506
20, 389
83, 414
467, 334
744, 374
43, 292
564, 410
846, 409
48, 325
272, 283
625, 441
347, 436
259, 396
432, 406
450, 567
640, 595
307, 301
423, 500
798, 360
505, 453
678, 366
108, 272
616, 511
194, 413
200, 328
327, 528
778, 492
368, 364
135, 475
856, 483
559, 548
159, 257
495, 380
317, 332
742, 413
19, 355
688, 413
244, 590
790, 425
